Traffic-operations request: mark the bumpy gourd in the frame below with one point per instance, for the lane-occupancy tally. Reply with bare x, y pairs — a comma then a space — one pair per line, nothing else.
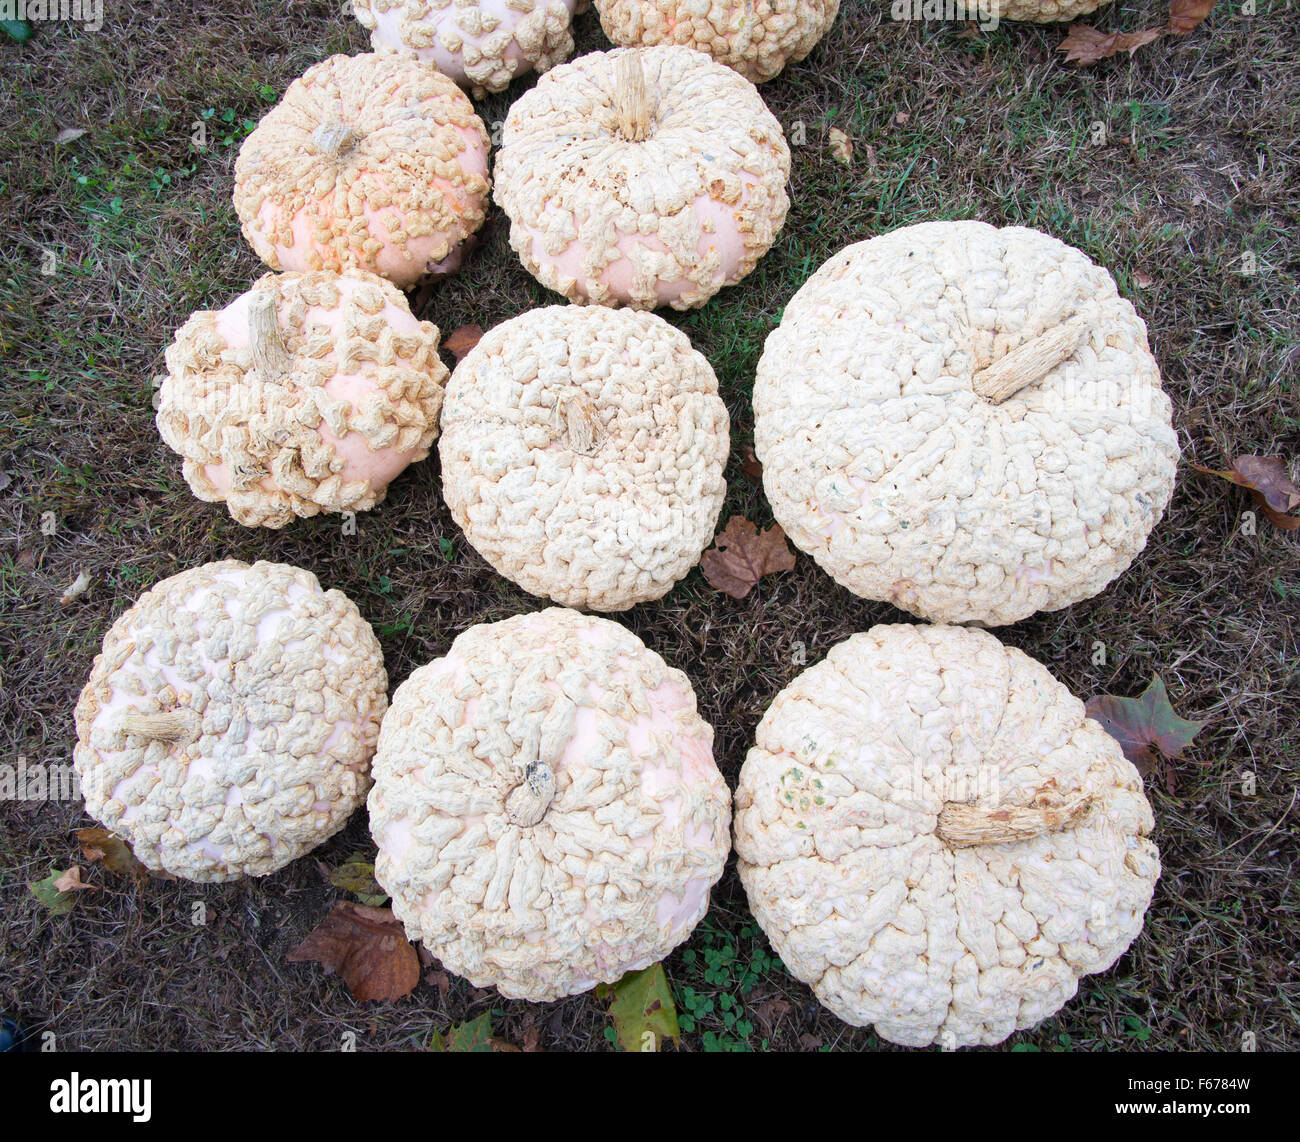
937, 839
229, 720
582, 454
373, 162
642, 178
965, 422
308, 393
756, 38
546, 806
481, 44
1045, 11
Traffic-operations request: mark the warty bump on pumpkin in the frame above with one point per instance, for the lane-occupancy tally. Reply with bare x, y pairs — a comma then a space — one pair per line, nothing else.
642, 177
965, 422
374, 162
757, 39
229, 720
308, 393
937, 839
546, 805
481, 44
582, 454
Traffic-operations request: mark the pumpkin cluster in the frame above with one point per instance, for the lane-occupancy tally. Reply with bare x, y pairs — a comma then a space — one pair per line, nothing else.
966, 422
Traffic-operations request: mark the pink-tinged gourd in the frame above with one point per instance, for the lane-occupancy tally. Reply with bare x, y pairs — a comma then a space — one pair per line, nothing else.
370, 162
756, 37
546, 805
311, 392
229, 720
481, 44
642, 178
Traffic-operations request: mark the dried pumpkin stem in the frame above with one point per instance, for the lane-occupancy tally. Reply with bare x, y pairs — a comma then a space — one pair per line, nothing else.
585, 432
631, 99
172, 726
334, 139
529, 800
963, 826
271, 357
1028, 363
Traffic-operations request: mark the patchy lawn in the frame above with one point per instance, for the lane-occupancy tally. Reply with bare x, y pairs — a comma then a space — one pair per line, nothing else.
1193, 178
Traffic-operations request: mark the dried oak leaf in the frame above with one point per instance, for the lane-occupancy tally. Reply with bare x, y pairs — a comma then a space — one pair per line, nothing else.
742, 555
1184, 15
1084, 44
1269, 481
771, 1011
71, 881
1147, 721
99, 846
751, 465
460, 341
367, 947
841, 147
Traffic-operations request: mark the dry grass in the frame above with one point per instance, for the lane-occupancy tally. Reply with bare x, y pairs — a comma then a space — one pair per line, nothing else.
1200, 167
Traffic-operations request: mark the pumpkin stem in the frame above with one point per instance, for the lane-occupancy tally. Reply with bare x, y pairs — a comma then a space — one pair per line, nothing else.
172, 726
271, 357
334, 139
963, 826
1028, 363
631, 100
585, 432
529, 800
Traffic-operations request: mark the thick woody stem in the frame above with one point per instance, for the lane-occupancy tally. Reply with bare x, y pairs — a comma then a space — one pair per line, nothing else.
172, 726
631, 100
334, 139
1028, 363
963, 826
271, 357
529, 800
585, 432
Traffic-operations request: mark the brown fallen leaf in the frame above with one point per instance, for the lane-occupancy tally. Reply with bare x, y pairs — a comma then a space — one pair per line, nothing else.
771, 1011
751, 465
99, 846
1143, 280
810, 1042
901, 117
532, 1037
1144, 725
460, 341
1084, 44
25, 560
74, 590
1184, 15
441, 980
742, 555
367, 947
841, 147
71, 881
1270, 484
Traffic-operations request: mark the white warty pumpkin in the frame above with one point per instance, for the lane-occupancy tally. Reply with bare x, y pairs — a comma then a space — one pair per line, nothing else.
546, 805
229, 720
372, 162
582, 454
642, 178
937, 839
965, 422
756, 37
308, 393
481, 44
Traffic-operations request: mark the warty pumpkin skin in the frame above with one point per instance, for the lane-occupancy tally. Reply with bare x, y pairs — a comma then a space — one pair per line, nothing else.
371, 162
481, 44
965, 422
755, 37
937, 839
642, 177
